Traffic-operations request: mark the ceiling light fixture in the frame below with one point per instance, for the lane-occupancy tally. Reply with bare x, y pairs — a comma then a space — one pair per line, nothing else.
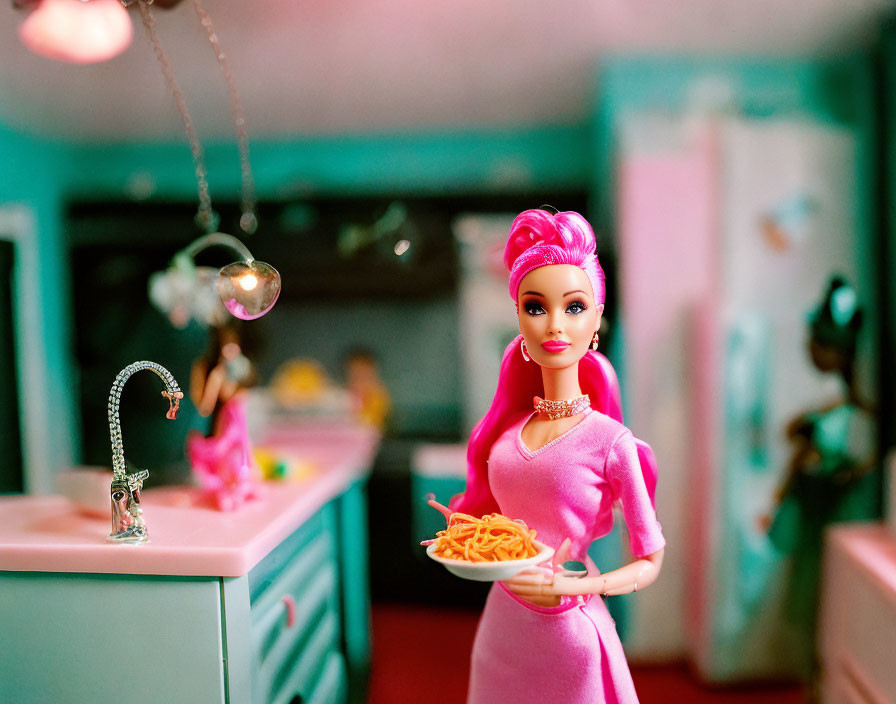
86, 31
247, 288
75, 31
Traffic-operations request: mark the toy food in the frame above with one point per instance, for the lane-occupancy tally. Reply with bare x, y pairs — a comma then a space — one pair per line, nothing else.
492, 538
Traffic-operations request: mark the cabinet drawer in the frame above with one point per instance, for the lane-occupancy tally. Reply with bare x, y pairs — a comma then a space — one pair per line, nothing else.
858, 619
331, 686
300, 594
309, 673
840, 689
865, 653
295, 613
321, 524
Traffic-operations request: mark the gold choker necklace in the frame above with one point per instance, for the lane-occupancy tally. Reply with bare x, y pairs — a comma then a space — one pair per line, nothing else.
561, 409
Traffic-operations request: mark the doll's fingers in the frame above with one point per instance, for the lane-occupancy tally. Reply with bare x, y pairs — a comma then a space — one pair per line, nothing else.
527, 590
535, 574
531, 578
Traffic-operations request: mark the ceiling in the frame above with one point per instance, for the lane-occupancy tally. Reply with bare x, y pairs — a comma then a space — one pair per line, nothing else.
324, 67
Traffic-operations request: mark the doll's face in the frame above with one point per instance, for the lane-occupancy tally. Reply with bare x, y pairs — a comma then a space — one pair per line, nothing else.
555, 305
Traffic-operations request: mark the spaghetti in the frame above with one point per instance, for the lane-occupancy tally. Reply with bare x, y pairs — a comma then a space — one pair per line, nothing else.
492, 538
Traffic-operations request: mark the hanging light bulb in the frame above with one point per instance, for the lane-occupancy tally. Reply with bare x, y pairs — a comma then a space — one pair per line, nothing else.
76, 31
248, 288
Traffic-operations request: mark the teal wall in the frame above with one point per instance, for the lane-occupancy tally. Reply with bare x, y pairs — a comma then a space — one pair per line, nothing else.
32, 174
423, 163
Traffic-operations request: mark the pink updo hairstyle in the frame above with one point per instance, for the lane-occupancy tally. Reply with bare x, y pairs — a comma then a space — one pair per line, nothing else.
539, 238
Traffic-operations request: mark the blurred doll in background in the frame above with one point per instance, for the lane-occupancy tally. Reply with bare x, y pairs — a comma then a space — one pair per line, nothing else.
369, 395
833, 454
552, 451
219, 382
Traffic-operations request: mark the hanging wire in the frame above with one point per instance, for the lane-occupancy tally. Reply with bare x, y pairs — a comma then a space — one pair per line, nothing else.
248, 220
206, 217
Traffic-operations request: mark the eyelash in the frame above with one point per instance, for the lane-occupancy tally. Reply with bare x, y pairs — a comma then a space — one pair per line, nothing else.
535, 308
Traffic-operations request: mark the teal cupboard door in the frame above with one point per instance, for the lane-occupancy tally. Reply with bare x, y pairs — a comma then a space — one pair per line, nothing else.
104, 638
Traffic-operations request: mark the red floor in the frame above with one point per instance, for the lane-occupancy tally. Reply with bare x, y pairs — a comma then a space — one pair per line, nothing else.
422, 655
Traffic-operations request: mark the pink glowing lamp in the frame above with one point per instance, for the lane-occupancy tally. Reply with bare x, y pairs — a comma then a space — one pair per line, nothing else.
77, 31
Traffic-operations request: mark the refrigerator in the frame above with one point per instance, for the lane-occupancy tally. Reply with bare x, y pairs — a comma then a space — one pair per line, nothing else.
728, 230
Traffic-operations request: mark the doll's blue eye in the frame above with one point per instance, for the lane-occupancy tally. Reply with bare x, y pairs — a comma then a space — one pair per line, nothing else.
576, 307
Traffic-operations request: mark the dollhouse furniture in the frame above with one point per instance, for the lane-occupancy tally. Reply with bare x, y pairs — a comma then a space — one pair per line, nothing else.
857, 637
269, 603
728, 229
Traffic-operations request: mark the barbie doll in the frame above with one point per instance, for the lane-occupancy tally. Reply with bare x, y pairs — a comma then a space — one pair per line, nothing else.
552, 451
833, 454
218, 384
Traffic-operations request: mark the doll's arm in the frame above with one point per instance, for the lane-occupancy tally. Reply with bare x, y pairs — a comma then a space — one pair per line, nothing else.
198, 375
636, 575
209, 390
545, 589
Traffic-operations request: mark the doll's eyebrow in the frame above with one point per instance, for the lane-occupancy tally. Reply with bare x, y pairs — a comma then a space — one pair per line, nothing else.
532, 293
578, 290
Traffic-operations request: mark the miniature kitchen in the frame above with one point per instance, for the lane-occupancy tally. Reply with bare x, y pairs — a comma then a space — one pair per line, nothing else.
269, 409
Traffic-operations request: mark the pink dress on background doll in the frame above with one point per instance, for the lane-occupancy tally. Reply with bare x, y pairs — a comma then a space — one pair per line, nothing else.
565, 489
223, 461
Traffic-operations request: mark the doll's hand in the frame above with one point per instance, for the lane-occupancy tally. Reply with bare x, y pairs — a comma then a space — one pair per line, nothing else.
544, 587
535, 585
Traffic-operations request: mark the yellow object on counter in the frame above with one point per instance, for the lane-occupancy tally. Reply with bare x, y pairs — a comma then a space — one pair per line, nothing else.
278, 466
298, 382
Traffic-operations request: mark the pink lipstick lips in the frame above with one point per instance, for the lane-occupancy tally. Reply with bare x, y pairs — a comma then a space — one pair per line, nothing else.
554, 345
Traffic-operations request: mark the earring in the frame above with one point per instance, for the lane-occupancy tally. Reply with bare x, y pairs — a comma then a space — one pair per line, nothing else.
594, 341
524, 350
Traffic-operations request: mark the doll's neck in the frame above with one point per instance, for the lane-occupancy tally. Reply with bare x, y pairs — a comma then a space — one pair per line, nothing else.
561, 384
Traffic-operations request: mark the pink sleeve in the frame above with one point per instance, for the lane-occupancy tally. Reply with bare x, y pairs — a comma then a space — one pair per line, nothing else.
623, 471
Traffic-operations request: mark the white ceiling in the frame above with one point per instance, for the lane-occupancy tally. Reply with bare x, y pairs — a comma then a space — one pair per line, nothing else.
331, 66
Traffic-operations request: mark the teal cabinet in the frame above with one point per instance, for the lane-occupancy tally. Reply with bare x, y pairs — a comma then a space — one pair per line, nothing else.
294, 628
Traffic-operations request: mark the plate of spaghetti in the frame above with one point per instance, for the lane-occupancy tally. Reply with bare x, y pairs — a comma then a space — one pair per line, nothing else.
486, 549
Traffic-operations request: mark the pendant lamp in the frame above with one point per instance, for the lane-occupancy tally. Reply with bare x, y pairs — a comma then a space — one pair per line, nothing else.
76, 31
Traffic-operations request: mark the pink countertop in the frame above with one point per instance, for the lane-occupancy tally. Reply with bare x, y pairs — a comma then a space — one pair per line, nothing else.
874, 546
51, 534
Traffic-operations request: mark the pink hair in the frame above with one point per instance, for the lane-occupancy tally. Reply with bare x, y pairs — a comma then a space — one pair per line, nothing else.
538, 236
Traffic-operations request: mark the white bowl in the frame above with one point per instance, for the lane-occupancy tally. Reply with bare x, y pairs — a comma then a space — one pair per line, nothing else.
491, 571
88, 488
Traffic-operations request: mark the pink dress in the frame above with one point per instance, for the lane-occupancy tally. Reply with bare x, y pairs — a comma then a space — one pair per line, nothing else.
223, 461
570, 653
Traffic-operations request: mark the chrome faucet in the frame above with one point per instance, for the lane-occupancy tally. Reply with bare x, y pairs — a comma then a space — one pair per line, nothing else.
128, 525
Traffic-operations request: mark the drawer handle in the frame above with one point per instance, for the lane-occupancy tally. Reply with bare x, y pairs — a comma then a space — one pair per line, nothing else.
290, 603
